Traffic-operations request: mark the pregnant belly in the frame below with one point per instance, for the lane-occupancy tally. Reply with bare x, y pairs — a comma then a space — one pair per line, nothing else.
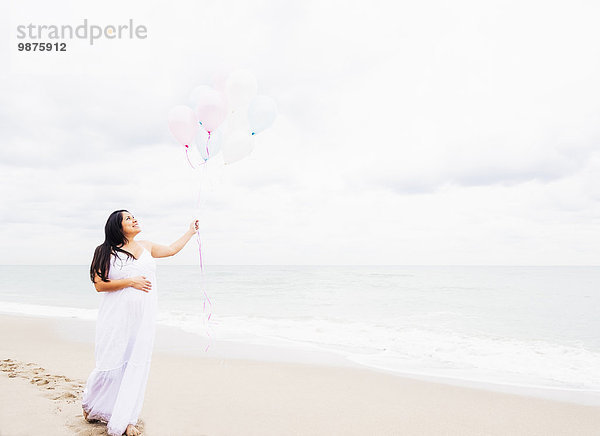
129, 303
122, 320
135, 301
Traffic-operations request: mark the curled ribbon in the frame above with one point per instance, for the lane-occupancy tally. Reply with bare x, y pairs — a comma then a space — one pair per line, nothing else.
188, 156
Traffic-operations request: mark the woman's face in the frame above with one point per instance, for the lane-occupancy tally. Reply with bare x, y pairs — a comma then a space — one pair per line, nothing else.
129, 224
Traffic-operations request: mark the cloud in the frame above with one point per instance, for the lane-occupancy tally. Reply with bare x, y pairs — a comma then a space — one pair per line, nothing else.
407, 133
56, 121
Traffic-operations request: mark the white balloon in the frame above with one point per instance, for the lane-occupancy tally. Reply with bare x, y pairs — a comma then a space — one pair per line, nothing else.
199, 93
240, 88
237, 146
261, 113
237, 120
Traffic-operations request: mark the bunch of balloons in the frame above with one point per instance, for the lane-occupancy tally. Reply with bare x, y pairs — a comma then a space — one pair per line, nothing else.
224, 119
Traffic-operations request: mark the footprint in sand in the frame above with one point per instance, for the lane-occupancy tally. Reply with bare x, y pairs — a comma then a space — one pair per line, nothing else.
65, 388
65, 396
64, 391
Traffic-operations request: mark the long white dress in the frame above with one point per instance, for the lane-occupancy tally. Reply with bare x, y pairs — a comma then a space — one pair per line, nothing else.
125, 330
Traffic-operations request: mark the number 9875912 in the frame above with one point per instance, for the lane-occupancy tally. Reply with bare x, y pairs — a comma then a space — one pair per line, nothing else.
42, 46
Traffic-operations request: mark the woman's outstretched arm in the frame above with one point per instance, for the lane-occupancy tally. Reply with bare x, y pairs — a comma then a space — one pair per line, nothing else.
171, 250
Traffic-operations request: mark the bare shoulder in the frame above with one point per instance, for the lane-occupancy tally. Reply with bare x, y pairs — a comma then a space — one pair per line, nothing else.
146, 244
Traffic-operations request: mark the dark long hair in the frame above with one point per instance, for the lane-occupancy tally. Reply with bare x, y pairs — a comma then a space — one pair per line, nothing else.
113, 239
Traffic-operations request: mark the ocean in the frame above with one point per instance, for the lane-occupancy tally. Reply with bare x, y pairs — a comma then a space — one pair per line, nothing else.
525, 326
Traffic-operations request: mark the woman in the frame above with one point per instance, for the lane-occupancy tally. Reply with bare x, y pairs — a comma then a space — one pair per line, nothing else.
125, 271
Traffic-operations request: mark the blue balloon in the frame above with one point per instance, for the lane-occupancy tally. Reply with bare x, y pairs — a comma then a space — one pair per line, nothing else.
262, 111
208, 145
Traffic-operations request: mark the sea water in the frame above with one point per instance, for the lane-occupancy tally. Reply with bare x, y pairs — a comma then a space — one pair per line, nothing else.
528, 326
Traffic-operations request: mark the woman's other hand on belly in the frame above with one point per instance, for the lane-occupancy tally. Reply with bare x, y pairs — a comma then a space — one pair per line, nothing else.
141, 283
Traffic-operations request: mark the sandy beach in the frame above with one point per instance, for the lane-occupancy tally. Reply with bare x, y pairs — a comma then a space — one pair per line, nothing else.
44, 363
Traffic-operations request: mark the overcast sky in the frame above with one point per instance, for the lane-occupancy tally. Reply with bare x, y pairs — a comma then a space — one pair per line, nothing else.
424, 133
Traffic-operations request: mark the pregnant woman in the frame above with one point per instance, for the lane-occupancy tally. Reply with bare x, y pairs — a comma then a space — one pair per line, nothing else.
124, 270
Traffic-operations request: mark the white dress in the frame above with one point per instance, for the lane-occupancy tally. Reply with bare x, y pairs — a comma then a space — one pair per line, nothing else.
125, 330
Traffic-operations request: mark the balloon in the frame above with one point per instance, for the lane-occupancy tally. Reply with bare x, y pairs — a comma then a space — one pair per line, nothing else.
237, 121
210, 107
209, 145
240, 88
219, 81
237, 146
183, 124
261, 113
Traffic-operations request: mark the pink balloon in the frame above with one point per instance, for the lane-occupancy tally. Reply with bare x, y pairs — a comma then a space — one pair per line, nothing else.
219, 81
210, 107
183, 124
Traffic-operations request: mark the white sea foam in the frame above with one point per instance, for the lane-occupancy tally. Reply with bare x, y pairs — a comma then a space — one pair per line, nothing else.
449, 354
14, 308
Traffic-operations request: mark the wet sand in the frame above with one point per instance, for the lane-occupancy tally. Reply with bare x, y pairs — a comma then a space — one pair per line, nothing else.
44, 364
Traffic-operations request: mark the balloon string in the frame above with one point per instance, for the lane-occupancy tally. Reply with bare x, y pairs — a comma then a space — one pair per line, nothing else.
205, 295
207, 152
199, 249
188, 156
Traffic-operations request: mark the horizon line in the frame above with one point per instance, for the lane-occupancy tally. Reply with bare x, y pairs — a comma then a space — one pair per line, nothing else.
329, 264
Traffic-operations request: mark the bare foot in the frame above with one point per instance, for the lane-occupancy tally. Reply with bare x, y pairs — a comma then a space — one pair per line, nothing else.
132, 431
85, 416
